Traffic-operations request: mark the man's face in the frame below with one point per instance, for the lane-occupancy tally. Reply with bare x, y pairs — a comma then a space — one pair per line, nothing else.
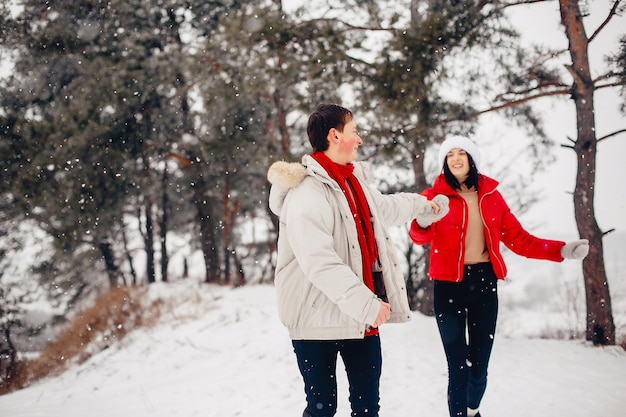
349, 142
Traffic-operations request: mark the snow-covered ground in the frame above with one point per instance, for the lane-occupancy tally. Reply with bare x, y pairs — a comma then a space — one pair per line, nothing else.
222, 352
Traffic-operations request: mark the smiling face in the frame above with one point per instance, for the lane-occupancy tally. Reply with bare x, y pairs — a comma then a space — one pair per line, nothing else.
344, 144
458, 163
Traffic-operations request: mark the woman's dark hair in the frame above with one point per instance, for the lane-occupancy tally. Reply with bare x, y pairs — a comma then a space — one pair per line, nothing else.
326, 117
472, 175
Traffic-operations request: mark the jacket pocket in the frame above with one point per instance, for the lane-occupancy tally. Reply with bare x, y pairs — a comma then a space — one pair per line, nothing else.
310, 295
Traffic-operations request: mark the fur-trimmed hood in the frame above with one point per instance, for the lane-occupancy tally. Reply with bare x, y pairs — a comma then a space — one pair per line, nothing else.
283, 176
287, 175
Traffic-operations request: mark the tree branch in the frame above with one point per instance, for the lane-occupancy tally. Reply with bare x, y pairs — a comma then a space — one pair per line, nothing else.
612, 13
522, 2
543, 85
615, 84
617, 132
607, 76
574, 74
522, 100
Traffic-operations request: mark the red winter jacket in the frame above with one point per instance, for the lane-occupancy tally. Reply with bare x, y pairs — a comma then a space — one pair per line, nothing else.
447, 236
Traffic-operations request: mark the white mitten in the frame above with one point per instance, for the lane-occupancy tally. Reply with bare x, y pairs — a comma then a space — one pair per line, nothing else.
429, 217
577, 249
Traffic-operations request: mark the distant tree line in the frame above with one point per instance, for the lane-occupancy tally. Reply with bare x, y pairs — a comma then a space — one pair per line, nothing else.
130, 129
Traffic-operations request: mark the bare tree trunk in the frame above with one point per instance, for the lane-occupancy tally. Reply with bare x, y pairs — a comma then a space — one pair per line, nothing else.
230, 209
226, 227
149, 241
8, 359
240, 276
207, 231
129, 257
600, 327
113, 271
163, 226
281, 116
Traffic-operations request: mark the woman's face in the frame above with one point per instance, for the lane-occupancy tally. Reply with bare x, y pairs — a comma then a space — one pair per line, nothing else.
458, 162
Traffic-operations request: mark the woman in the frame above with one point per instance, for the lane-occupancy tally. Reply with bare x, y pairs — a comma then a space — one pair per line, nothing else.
465, 264
338, 277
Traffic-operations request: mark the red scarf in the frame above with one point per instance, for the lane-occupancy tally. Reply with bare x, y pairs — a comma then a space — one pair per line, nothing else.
344, 175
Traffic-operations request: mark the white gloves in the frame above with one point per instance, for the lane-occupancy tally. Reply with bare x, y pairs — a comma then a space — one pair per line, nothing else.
577, 249
427, 218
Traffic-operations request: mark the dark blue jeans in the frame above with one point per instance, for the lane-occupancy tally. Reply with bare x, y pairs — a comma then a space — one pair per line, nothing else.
317, 360
471, 307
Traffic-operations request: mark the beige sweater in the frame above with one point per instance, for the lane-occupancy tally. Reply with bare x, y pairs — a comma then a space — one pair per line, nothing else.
475, 247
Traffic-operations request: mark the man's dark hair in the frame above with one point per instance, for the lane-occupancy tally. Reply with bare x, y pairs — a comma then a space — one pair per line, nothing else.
472, 175
326, 117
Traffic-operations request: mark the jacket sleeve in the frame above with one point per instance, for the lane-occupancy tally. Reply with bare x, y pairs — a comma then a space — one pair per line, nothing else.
309, 227
391, 209
516, 238
420, 235
399, 208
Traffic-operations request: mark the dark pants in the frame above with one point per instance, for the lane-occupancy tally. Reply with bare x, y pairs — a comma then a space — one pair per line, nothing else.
317, 360
471, 307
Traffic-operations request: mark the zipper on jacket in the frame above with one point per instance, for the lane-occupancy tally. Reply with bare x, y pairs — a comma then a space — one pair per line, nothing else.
460, 265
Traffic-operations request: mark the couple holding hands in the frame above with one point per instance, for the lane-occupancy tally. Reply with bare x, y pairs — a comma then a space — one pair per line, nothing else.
338, 277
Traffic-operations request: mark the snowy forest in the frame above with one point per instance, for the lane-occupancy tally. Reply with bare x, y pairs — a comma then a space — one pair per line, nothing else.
135, 136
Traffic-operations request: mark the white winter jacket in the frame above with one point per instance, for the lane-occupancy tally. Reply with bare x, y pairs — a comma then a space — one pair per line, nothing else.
319, 282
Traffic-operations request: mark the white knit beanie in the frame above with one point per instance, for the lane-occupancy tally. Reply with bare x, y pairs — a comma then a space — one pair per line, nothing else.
460, 142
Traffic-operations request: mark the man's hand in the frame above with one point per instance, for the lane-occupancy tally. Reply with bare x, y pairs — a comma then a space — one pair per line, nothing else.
384, 314
434, 206
439, 208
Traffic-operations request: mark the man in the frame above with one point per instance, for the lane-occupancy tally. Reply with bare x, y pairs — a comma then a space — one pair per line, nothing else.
337, 274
